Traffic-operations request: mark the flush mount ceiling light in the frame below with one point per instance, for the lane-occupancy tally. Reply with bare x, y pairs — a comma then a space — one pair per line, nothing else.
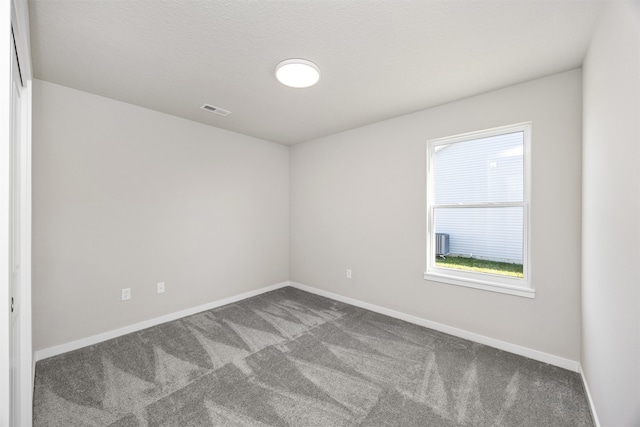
297, 73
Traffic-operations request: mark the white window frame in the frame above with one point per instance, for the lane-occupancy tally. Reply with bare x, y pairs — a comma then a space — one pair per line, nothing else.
489, 282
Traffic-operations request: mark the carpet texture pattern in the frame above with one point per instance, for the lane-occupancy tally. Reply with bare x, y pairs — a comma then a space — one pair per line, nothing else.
291, 358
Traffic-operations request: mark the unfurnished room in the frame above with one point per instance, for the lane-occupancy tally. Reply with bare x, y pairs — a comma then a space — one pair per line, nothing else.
320, 213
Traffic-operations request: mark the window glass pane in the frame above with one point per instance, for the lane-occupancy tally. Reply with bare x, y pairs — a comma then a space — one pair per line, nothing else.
480, 170
478, 239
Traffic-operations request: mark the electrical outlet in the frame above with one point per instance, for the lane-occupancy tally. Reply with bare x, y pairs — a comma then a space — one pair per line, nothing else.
348, 273
126, 294
160, 287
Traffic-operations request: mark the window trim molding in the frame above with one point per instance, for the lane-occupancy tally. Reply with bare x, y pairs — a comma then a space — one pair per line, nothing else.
484, 281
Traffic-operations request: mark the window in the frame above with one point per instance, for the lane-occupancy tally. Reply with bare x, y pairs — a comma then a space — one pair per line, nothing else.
477, 210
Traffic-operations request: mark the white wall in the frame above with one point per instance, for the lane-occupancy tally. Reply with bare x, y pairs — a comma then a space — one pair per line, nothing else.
611, 217
127, 197
358, 201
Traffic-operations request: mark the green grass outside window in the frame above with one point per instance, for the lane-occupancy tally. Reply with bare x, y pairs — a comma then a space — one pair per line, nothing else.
481, 266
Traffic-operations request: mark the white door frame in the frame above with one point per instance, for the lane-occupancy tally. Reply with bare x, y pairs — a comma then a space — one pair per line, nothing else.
5, 123
15, 14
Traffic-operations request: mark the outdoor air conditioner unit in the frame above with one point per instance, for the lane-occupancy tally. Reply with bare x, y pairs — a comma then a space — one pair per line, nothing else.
442, 244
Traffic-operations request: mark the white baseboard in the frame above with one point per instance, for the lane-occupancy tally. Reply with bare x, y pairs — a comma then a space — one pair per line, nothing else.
502, 345
551, 359
586, 389
95, 339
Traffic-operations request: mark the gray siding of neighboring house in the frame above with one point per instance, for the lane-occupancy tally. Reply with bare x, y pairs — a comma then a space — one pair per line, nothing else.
489, 170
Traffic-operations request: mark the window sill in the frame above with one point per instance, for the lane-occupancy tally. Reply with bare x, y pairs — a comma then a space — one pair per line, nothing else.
485, 285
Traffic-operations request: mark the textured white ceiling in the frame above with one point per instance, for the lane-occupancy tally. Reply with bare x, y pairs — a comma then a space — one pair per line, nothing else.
379, 59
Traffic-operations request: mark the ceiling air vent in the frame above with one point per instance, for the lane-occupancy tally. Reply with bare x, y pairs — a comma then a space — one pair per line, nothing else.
215, 110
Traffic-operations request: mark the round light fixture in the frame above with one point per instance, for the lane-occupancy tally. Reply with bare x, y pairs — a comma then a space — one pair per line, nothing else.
297, 73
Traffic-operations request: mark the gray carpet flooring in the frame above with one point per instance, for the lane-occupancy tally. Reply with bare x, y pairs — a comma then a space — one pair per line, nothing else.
290, 358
